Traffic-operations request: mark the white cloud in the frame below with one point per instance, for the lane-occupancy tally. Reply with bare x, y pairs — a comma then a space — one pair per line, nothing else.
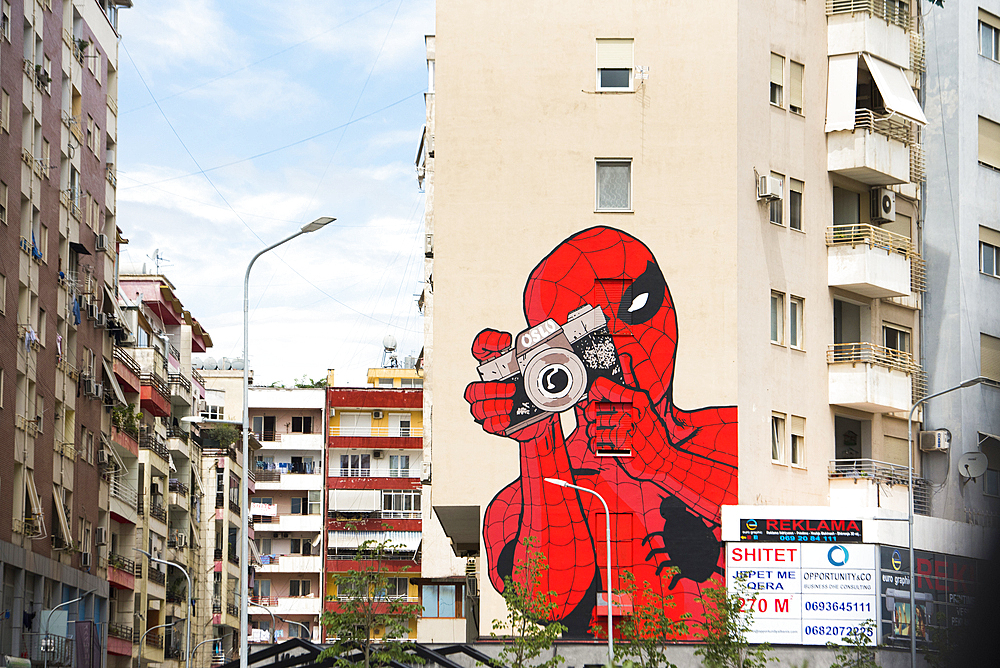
173, 33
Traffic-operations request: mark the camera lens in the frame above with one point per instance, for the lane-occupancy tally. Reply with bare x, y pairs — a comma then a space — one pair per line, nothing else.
554, 381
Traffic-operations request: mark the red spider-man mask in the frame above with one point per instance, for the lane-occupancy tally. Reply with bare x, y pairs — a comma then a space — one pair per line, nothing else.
606, 267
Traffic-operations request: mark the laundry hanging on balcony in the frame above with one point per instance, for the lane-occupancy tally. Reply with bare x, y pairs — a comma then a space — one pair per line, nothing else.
842, 92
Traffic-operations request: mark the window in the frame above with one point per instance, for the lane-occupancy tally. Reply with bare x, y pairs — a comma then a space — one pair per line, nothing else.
795, 188
296, 546
441, 600
777, 79
795, 307
796, 73
396, 588
314, 499
614, 185
989, 143
989, 356
210, 412
896, 338
400, 504
385, 382
779, 202
777, 317
411, 382
989, 36
300, 504
614, 64
355, 466
300, 629
1, 388
399, 466
989, 251
991, 482
3, 294
263, 545
5, 23
302, 425
778, 438
299, 587
5, 111
798, 441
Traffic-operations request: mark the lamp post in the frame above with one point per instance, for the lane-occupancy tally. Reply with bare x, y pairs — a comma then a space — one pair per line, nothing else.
292, 621
909, 442
190, 593
48, 618
142, 638
317, 224
203, 642
607, 520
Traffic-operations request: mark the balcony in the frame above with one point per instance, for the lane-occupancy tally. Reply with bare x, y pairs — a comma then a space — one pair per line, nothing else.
879, 27
154, 640
121, 571
124, 500
179, 385
288, 523
870, 483
47, 649
231, 556
155, 394
870, 261
377, 438
122, 631
157, 511
127, 371
876, 151
289, 605
179, 487
870, 378
126, 438
276, 441
152, 442
290, 563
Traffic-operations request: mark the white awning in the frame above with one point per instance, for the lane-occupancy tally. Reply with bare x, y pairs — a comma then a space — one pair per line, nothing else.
254, 553
359, 500
402, 541
842, 92
36, 504
67, 534
109, 374
895, 89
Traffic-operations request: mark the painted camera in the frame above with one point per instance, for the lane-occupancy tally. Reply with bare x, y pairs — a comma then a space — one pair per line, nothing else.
553, 367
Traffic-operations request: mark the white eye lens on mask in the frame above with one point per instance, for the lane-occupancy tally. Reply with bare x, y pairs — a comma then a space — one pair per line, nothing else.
638, 302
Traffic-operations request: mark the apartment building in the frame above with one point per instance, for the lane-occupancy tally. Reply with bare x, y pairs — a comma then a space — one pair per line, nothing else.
701, 232
287, 511
374, 442
156, 456
962, 320
58, 241
222, 466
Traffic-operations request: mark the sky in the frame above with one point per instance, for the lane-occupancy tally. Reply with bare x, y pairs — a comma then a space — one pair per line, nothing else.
240, 122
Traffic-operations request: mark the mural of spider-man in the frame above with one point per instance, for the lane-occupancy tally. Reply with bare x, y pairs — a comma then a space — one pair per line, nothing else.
663, 471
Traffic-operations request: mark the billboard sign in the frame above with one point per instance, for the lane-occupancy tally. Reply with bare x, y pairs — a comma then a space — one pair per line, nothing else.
800, 531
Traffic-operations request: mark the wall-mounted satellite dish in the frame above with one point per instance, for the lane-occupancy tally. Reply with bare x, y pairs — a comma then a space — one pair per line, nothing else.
972, 464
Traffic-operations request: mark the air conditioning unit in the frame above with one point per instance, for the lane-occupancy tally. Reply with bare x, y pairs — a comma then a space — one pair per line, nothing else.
100, 536
128, 339
88, 385
428, 245
98, 390
181, 540
101, 244
377, 454
282, 535
768, 188
102, 321
102, 460
938, 440
883, 205
85, 559
92, 311
425, 472
378, 415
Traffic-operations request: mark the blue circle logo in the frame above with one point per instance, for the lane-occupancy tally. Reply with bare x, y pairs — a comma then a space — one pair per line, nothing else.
752, 525
838, 555
897, 561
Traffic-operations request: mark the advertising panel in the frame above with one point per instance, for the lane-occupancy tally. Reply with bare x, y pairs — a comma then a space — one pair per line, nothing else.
945, 592
800, 531
804, 593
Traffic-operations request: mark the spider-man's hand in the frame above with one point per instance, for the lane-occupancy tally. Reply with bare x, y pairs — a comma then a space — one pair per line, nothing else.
491, 403
612, 412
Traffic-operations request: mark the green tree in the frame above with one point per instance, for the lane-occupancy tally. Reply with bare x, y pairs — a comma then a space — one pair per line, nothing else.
856, 649
369, 616
224, 435
728, 618
529, 610
644, 633
306, 381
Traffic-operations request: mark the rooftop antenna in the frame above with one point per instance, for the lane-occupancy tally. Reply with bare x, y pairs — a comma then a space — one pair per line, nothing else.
389, 348
158, 260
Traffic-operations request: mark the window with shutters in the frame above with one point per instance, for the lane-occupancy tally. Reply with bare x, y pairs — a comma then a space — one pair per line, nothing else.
796, 73
989, 143
989, 35
777, 80
989, 251
614, 185
614, 64
989, 359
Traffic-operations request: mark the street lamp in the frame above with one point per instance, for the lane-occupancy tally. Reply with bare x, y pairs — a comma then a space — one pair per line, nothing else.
292, 621
909, 442
48, 618
142, 638
190, 593
607, 520
317, 224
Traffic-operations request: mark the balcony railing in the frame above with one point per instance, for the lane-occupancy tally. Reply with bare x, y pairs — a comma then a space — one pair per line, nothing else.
871, 353
233, 610
267, 476
121, 563
195, 376
153, 442
891, 11
157, 511
47, 649
179, 379
155, 576
157, 382
264, 600
404, 432
179, 487
400, 514
175, 432
127, 360
154, 640
123, 491
871, 236
886, 125
231, 556
884, 473
121, 631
